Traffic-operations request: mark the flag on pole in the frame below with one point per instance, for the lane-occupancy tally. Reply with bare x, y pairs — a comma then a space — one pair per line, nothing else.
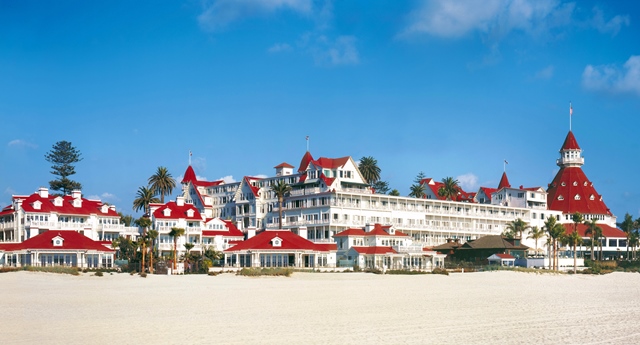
570, 109
190, 154
505, 162
307, 137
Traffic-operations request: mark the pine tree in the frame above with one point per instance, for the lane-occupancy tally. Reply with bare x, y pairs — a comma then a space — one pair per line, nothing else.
63, 156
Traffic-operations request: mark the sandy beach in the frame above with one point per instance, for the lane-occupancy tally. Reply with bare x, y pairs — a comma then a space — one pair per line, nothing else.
321, 308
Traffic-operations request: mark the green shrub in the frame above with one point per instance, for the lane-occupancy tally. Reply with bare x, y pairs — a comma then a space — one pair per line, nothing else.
98, 274
407, 272
256, 272
439, 270
356, 268
143, 274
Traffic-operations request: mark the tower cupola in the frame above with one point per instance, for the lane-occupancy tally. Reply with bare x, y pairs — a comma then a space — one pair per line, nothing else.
570, 153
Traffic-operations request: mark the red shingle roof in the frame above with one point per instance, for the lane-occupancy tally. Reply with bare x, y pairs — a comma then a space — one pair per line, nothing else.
88, 207
283, 165
378, 230
290, 241
374, 250
504, 256
504, 181
72, 240
232, 230
177, 212
570, 142
607, 231
571, 183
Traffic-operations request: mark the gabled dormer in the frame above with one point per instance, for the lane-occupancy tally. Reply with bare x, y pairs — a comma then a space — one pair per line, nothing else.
58, 201
37, 205
190, 213
276, 242
77, 203
104, 208
167, 212
57, 241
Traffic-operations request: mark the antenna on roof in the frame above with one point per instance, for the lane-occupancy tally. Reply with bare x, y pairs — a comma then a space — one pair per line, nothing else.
570, 115
307, 143
190, 154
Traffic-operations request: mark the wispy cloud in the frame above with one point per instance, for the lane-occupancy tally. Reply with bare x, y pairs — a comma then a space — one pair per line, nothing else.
105, 197
328, 51
612, 25
218, 14
494, 18
468, 182
22, 144
9, 191
614, 79
545, 73
279, 48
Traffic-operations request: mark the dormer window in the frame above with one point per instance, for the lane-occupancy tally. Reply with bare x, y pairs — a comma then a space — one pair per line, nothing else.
77, 202
57, 202
563, 184
575, 183
37, 205
577, 197
190, 213
276, 242
57, 241
560, 197
591, 197
104, 208
585, 183
167, 212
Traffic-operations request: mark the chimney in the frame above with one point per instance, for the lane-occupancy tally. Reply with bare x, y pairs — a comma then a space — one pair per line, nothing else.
76, 194
180, 201
302, 232
43, 192
368, 227
251, 232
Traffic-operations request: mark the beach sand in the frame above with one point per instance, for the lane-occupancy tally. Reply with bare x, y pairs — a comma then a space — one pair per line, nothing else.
321, 308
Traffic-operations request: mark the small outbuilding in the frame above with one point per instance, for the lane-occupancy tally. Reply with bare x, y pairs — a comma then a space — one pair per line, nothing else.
502, 260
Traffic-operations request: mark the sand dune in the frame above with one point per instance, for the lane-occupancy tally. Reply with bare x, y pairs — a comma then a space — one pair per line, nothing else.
321, 308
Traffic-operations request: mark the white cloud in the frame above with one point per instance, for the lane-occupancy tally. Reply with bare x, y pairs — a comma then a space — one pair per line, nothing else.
22, 144
612, 26
218, 14
228, 179
279, 48
495, 18
613, 78
9, 191
468, 182
545, 73
328, 51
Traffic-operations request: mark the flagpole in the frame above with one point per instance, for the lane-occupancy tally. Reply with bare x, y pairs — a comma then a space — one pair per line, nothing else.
189, 157
307, 143
570, 115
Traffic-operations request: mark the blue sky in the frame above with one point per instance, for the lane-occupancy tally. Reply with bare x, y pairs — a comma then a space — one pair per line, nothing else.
447, 88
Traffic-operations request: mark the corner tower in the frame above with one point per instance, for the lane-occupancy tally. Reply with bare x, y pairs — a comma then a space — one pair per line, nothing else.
571, 191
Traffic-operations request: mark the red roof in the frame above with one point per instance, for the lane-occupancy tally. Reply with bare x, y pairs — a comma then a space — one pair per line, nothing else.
72, 240
504, 256
570, 143
290, 241
374, 250
378, 230
190, 177
253, 188
177, 212
607, 231
572, 192
504, 181
304, 163
323, 162
488, 191
435, 186
232, 230
88, 207
283, 165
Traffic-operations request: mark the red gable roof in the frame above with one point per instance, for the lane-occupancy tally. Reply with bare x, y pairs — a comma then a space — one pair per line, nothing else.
232, 230
570, 142
290, 241
331, 163
304, 163
253, 188
190, 177
488, 191
607, 231
177, 212
72, 240
504, 256
88, 207
283, 165
374, 250
569, 183
504, 181
378, 230
435, 186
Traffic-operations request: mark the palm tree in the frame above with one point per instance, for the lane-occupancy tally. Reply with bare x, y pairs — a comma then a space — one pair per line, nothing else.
162, 183
187, 256
143, 222
417, 191
394, 192
449, 189
555, 231
141, 243
517, 227
573, 240
175, 233
592, 230
115, 244
598, 236
369, 169
151, 235
535, 234
281, 188
144, 197
627, 227
634, 240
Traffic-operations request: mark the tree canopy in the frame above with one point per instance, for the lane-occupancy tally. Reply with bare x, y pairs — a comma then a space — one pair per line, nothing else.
369, 169
162, 183
63, 156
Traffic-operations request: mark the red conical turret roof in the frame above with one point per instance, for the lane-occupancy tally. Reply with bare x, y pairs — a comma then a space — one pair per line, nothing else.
189, 175
570, 142
304, 163
504, 181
